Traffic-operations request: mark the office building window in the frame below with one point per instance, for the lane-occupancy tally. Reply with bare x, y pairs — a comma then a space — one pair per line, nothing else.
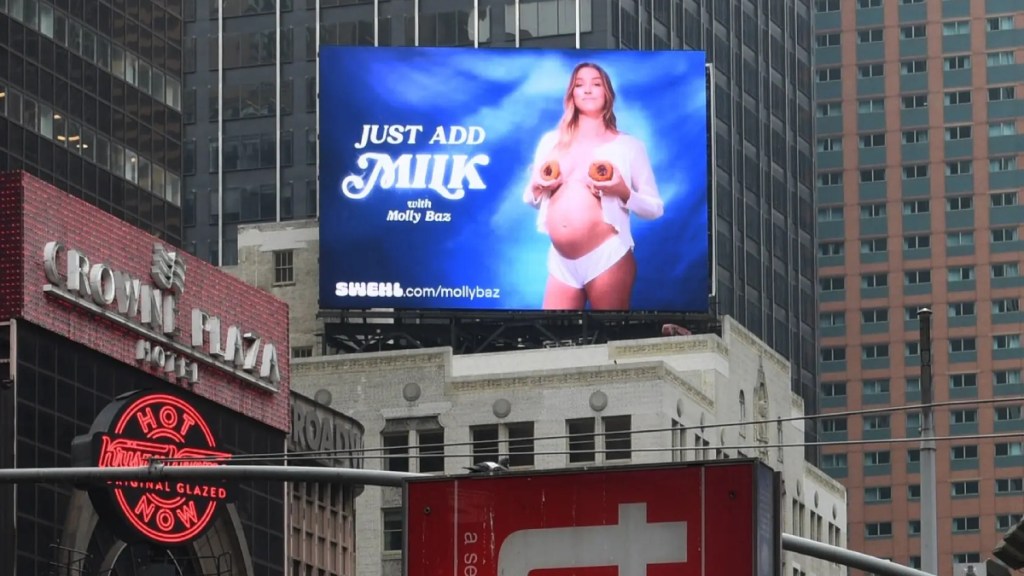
1007, 234
876, 422
873, 245
413, 445
956, 27
962, 345
612, 442
958, 167
832, 283
1002, 164
916, 242
1006, 521
875, 140
878, 458
965, 380
869, 36
960, 238
916, 207
826, 39
1009, 486
832, 74
915, 171
966, 524
957, 98
913, 31
956, 63
284, 267
914, 102
876, 386
913, 491
963, 416
870, 70
392, 529
831, 319
915, 136
1001, 199
875, 494
878, 280
1000, 93
1008, 270
875, 315
1001, 58
1006, 305
878, 529
833, 389
1007, 128
1008, 413
873, 210
963, 488
958, 203
833, 354
1006, 342
830, 249
915, 277
961, 309
958, 132
967, 558
964, 452
833, 425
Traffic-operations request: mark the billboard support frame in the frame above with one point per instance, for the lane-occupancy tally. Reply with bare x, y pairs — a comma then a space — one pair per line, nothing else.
474, 331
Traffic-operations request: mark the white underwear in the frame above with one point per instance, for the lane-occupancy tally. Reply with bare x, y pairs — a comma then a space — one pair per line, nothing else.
578, 272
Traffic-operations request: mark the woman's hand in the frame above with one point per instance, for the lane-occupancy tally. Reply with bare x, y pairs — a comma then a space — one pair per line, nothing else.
539, 185
616, 187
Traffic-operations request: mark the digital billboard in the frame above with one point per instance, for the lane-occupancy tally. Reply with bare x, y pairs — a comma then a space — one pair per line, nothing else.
497, 179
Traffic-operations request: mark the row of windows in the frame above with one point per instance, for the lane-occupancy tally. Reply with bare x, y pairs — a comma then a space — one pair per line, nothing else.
871, 210
954, 274
960, 525
876, 105
996, 165
589, 440
914, 31
955, 345
958, 381
916, 66
961, 453
954, 310
958, 489
111, 156
97, 49
1008, 413
920, 136
951, 133
827, 6
953, 239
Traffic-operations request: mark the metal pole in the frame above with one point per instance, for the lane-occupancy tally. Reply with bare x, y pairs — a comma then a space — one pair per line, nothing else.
929, 520
846, 557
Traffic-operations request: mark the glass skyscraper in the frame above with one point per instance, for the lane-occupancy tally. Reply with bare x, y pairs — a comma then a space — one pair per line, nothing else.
90, 101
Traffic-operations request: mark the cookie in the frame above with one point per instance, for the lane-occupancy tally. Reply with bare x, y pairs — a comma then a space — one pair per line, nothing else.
550, 170
601, 171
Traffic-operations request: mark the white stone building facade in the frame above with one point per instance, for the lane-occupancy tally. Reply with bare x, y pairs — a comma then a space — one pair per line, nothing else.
656, 400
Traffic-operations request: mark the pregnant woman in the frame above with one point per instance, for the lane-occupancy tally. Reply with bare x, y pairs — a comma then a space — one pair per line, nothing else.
586, 179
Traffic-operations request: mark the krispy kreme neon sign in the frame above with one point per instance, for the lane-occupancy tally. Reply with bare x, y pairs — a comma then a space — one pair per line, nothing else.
136, 430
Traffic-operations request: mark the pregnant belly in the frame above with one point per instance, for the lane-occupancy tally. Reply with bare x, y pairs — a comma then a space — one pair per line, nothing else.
575, 221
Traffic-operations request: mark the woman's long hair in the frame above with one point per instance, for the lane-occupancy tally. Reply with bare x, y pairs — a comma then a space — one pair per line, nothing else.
570, 121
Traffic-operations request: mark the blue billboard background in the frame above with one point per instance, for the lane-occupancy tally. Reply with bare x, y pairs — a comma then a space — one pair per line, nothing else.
388, 241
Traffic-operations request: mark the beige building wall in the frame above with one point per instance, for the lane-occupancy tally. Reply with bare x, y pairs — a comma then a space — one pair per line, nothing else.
676, 392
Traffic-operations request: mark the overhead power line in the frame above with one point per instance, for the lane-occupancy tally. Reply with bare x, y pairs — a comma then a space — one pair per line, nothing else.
408, 451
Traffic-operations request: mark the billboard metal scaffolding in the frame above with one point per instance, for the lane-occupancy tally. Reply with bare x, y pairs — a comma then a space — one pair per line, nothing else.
349, 331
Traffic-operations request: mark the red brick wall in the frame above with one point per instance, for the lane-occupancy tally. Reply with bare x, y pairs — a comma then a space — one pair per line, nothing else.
33, 213
10, 245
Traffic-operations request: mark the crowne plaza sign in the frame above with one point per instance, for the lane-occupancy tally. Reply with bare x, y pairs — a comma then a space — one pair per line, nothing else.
149, 307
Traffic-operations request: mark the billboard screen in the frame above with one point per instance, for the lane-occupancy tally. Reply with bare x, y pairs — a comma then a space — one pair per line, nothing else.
497, 179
